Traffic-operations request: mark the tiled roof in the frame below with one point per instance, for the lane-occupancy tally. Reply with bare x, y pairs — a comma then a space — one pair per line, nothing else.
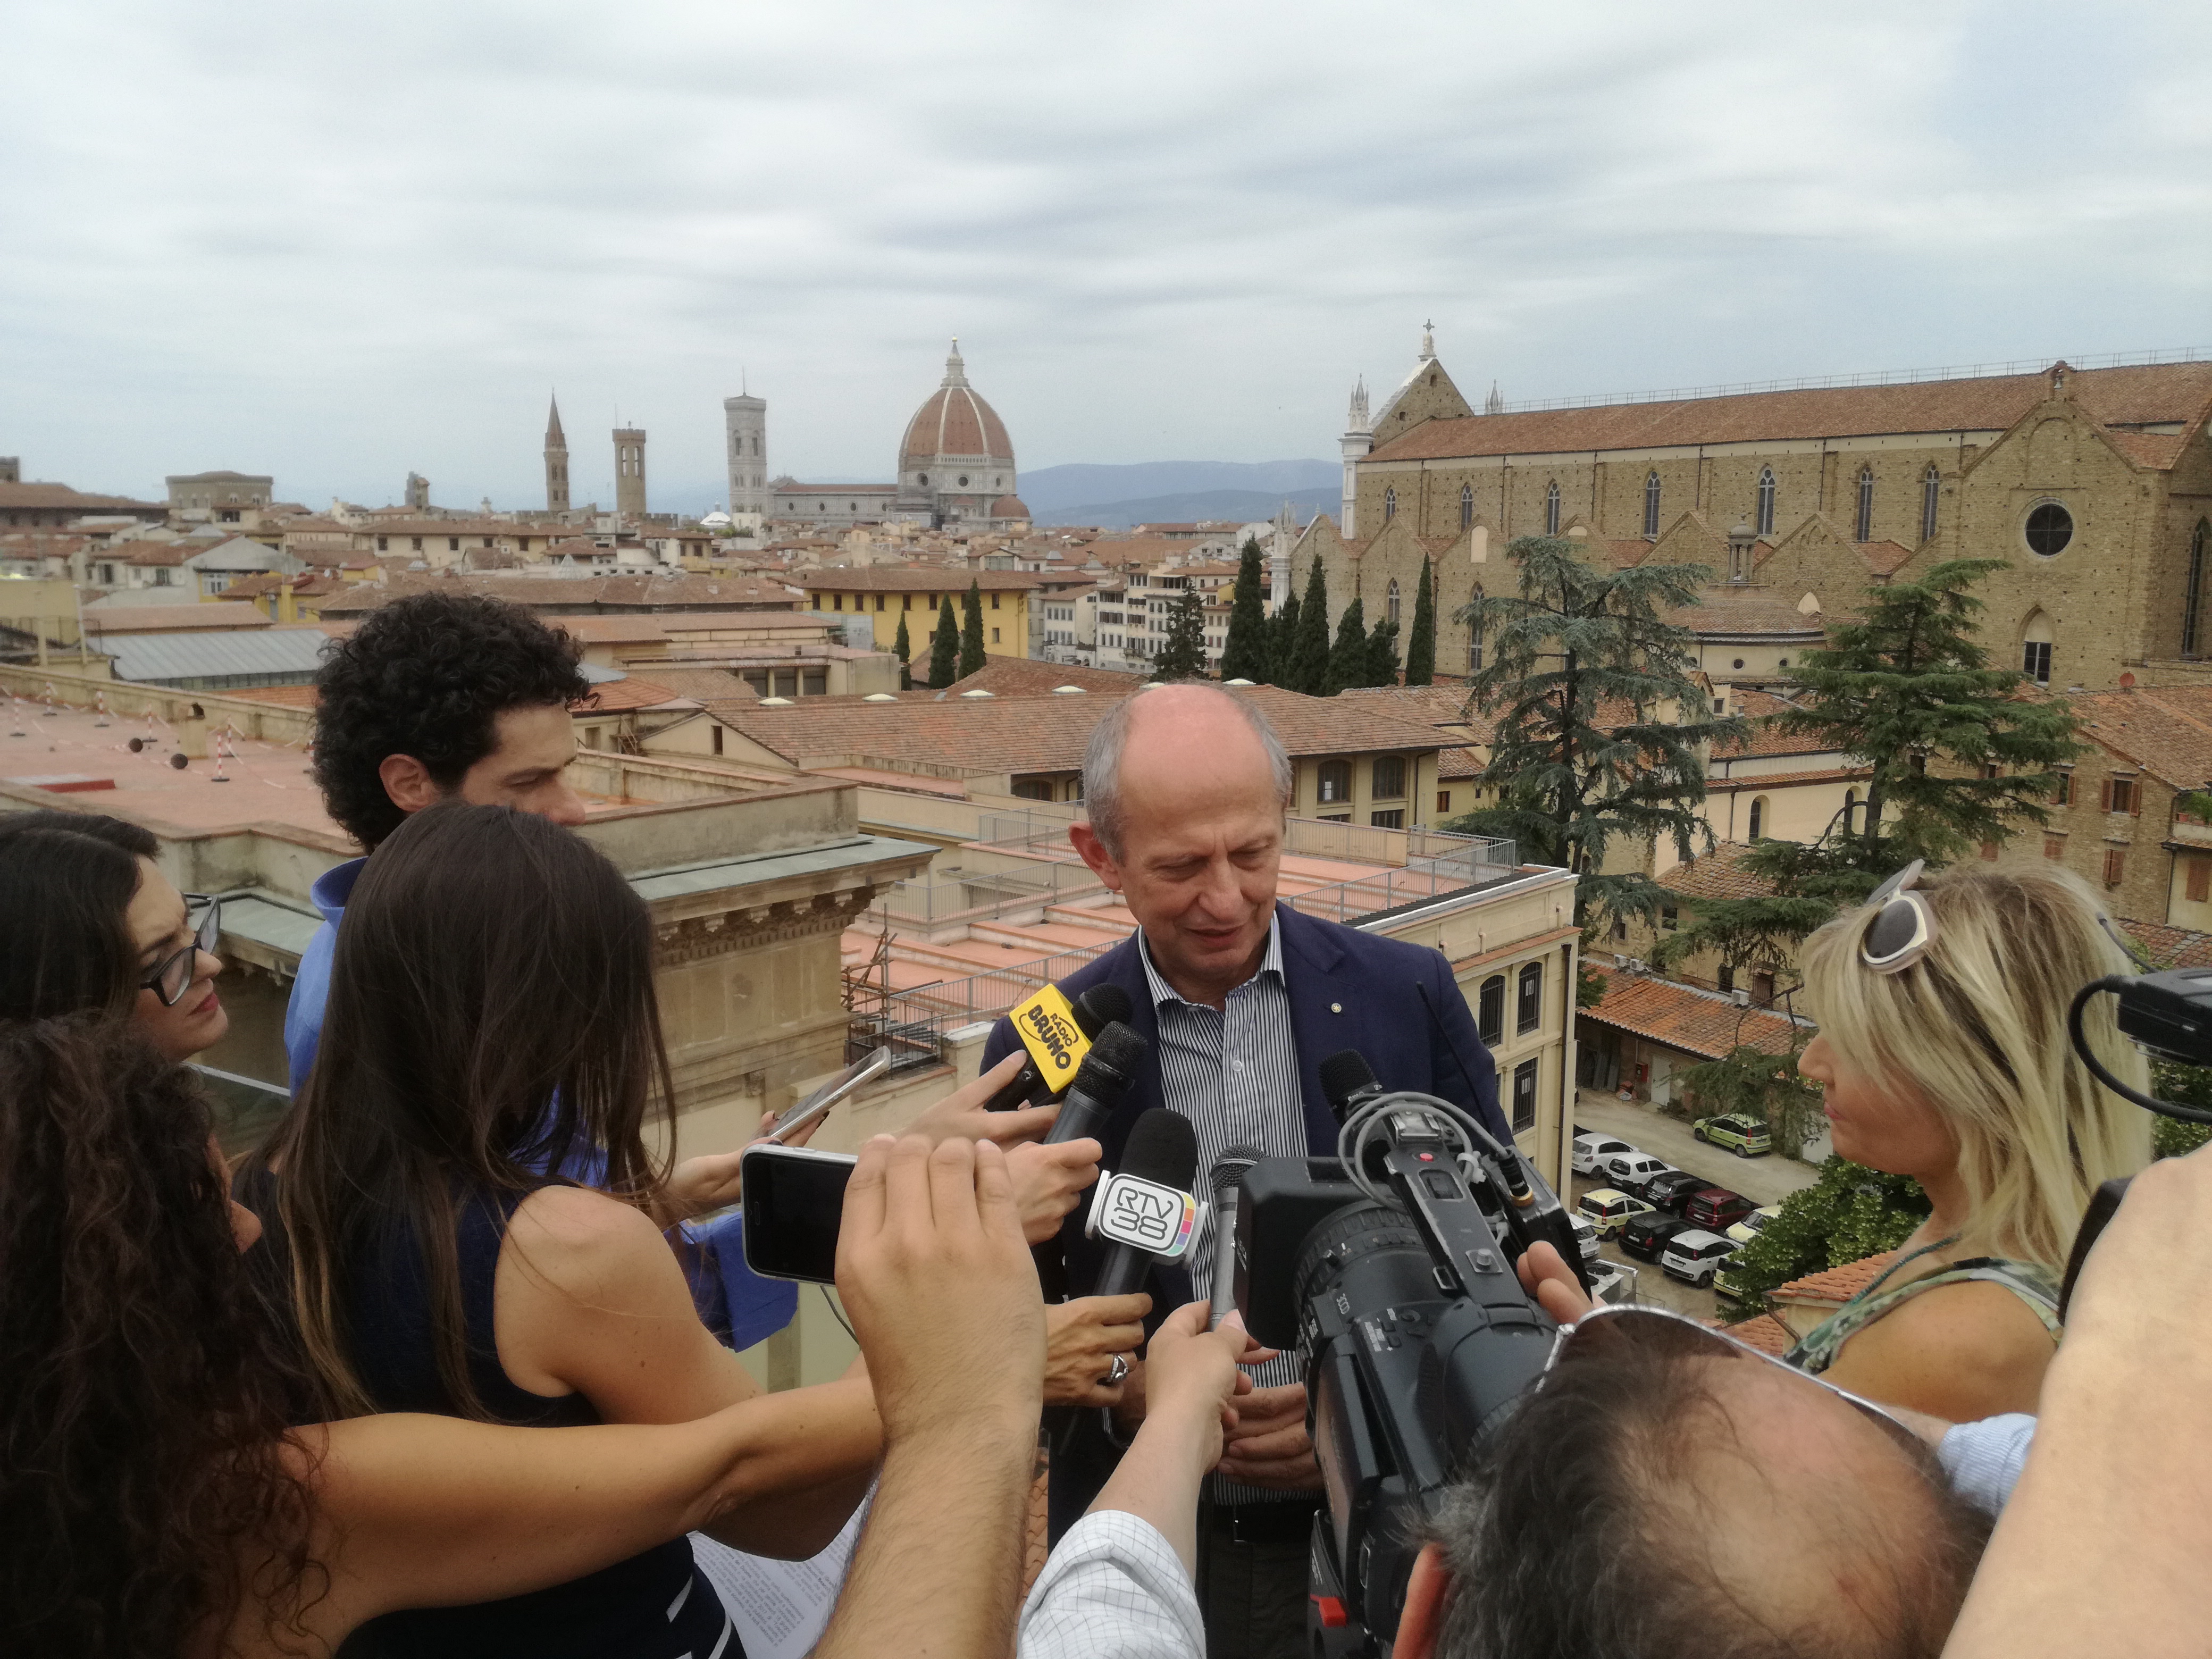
2156, 450
2140, 396
1431, 705
1024, 677
1753, 785
56, 496
1677, 1017
615, 593
629, 692
1732, 608
955, 421
171, 618
707, 685
985, 736
2170, 947
1454, 765
912, 578
285, 697
1718, 875
1833, 1286
1882, 558
2167, 731
1765, 1333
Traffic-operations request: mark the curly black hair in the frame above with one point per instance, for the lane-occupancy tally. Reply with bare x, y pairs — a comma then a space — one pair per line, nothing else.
144, 1489
426, 676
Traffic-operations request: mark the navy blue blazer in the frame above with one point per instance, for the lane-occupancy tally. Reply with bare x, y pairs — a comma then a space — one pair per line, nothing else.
1348, 990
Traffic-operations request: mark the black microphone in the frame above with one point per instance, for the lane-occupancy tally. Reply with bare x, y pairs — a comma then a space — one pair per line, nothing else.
1094, 1011
1145, 1206
1348, 1081
1105, 1076
1228, 1176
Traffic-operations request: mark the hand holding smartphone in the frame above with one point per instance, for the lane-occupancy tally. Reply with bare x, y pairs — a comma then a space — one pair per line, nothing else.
860, 1072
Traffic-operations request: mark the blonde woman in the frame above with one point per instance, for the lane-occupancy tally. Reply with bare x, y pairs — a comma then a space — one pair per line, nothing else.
1943, 1055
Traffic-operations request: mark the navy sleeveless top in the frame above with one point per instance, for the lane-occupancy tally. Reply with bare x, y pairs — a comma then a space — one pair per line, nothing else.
655, 1606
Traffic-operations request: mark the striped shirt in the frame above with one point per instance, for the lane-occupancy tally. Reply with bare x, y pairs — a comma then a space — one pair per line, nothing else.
1233, 1071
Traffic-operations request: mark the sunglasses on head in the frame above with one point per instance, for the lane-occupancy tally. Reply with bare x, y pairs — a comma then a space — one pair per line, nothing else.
172, 975
1904, 924
1662, 1333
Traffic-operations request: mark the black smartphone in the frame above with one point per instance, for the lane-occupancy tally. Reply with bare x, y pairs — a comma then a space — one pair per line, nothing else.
794, 1197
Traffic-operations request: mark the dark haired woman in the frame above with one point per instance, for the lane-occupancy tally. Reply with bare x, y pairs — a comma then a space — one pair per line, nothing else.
95, 924
153, 1503
491, 1015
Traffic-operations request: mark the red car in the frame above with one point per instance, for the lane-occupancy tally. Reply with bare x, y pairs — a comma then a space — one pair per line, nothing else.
1716, 1209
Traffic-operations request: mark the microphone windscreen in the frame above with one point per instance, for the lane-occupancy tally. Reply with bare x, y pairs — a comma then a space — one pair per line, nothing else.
1118, 1051
1229, 1169
1343, 1074
1163, 1147
1099, 1007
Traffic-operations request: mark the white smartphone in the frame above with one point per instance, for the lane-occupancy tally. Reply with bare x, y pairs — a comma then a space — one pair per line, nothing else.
860, 1072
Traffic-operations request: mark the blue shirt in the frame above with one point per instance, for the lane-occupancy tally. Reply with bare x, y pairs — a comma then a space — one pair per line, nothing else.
311, 987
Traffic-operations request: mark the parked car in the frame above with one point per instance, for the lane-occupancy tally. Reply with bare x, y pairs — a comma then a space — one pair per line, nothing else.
1591, 1150
1716, 1209
1726, 1286
1609, 1211
1613, 1283
1745, 1136
1585, 1235
1695, 1256
1629, 1170
1750, 1227
1671, 1191
1645, 1236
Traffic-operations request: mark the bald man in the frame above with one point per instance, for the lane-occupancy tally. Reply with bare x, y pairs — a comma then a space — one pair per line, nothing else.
1242, 998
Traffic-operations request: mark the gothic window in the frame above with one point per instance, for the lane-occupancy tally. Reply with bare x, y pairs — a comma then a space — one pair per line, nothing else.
1474, 634
1931, 489
2035, 648
1390, 603
1864, 532
1759, 817
1651, 506
1389, 505
1765, 520
1551, 508
1466, 506
2192, 597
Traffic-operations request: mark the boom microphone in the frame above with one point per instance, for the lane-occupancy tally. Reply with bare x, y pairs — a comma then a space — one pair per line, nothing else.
1146, 1207
1057, 1034
1228, 1175
1100, 1083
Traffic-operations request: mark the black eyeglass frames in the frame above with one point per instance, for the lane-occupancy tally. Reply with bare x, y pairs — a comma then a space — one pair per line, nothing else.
172, 975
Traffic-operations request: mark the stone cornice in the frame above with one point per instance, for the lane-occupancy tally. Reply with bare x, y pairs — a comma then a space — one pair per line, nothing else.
743, 926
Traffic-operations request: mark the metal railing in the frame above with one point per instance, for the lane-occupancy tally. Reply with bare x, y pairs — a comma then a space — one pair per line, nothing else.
915, 1022
245, 1107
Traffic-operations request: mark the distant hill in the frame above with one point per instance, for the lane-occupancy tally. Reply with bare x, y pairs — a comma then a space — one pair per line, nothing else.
1050, 488
1237, 506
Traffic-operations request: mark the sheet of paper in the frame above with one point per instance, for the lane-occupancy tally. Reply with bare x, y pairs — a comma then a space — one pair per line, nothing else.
779, 1608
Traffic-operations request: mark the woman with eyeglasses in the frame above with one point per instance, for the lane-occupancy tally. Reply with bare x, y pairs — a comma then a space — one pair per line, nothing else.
1943, 1055
97, 925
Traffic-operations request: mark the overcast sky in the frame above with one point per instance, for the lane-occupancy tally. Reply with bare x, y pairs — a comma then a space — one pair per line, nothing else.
336, 243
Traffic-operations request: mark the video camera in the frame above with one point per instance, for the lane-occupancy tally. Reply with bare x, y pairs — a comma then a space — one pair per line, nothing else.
1390, 1269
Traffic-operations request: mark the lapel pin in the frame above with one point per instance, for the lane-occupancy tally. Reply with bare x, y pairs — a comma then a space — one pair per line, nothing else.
1336, 1008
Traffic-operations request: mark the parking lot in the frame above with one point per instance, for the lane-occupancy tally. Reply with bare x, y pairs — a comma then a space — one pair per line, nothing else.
1764, 1180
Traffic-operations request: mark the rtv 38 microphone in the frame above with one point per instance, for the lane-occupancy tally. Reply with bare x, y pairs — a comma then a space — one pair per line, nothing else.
1348, 1081
1100, 1082
1057, 1034
1146, 1207
1228, 1175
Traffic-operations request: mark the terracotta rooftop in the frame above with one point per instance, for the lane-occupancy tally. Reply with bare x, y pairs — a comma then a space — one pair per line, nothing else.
1834, 1286
1765, 1333
1024, 677
53, 496
1677, 1017
602, 594
1739, 608
1751, 785
2170, 947
609, 696
2142, 396
1717, 875
2166, 731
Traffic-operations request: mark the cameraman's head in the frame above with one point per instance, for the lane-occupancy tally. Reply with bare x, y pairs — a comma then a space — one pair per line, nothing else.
1667, 1493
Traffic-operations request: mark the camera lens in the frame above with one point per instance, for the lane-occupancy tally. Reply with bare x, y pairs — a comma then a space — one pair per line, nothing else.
1370, 1250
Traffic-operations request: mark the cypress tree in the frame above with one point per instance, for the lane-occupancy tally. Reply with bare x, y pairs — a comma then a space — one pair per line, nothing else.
1245, 653
1182, 655
1348, 659
1383, 653
944, 648
1421, 643
1282, 645
971, 634
1579, 638
1309, 666
903, 649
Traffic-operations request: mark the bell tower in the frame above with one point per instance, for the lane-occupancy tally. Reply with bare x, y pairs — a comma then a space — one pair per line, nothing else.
629, 471
556, 463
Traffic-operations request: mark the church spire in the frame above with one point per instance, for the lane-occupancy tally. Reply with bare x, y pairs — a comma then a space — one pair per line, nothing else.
956, 367
554, 440
1355, 418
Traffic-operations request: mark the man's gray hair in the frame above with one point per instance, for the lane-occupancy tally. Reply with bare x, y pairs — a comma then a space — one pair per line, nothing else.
1102, 764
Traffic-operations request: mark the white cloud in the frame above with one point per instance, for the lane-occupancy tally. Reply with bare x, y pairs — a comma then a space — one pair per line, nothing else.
338, 244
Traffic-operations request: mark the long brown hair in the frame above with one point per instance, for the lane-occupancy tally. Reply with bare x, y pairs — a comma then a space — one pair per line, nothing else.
491, 1016
143, 1492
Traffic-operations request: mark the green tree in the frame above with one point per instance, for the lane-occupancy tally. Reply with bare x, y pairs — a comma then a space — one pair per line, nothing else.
1601, 732
1244, 652
1760, 1085
1347, 657
1282, 643
1182, 653
1421, 642
971, 632
1308, 666
903, 649
1383, 653
1907, 692
1850, 1212
944, 648
2172, 1137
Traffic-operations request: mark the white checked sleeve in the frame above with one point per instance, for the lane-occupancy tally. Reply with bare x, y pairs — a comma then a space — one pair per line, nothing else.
1983, 1460
1113, 1588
